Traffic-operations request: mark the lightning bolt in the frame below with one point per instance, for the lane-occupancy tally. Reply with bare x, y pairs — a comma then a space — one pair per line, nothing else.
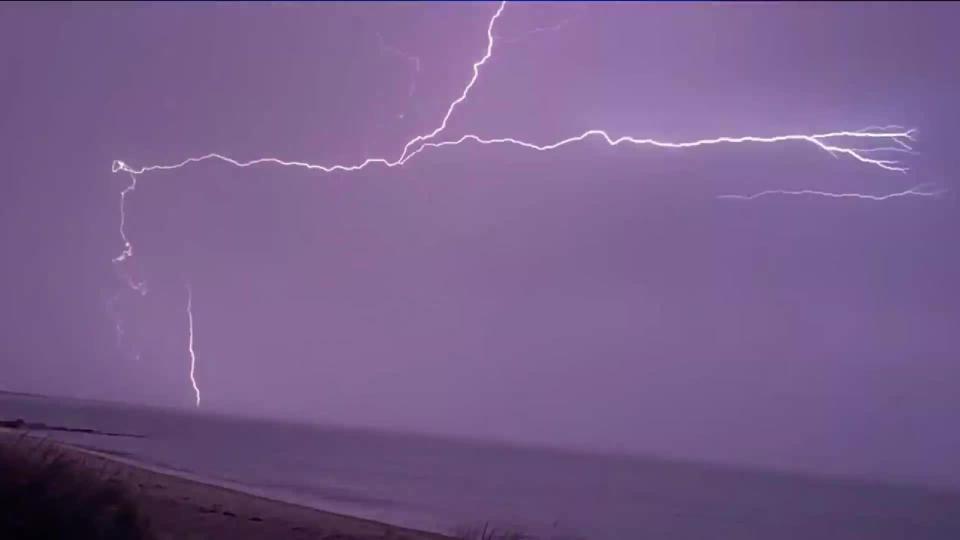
127, 246
534, 31
918, 191
825, 141
138, 286
117, 321
411, 59
873, 147
821, 140
193, 355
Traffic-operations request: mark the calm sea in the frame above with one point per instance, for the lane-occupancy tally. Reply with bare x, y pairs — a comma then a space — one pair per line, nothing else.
437, 484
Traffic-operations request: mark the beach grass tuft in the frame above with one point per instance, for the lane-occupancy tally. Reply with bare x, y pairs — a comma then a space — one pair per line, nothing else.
46, 493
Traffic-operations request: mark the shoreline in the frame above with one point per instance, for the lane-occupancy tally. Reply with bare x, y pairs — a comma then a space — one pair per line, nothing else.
182, 505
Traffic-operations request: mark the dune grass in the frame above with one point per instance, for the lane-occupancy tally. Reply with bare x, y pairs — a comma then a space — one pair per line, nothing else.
486, 532
489, 532
46, 493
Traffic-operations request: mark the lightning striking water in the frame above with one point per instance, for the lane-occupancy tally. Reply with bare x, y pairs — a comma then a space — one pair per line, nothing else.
874, 146
193, 355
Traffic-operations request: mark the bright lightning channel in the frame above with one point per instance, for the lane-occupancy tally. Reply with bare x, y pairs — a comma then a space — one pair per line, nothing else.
918, 191
139, 286
821, 140
193, 355
886, 138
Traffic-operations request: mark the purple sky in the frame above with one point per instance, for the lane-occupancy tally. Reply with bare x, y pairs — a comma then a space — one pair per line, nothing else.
590, 297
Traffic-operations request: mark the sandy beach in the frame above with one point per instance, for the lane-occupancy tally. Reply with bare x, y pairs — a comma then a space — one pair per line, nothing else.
186, 509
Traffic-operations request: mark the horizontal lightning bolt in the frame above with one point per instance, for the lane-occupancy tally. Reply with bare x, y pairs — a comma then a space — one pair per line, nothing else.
874, 146
917, 191
820, 140
534, 31
825, 141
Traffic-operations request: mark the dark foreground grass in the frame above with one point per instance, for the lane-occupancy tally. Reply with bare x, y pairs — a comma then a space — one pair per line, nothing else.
486, 532
489, 532
47, 494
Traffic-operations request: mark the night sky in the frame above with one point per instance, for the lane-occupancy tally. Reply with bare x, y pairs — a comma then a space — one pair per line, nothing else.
591, 297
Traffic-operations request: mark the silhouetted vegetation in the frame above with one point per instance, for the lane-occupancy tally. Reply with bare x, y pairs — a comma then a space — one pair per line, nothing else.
488, 532
45, 493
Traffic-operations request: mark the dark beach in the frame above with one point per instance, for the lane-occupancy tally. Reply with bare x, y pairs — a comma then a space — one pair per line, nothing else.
184, 509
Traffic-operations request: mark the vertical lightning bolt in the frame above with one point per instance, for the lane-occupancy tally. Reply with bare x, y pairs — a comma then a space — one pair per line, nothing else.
127, 246
138, 286
873, 146
193, 354
117, 321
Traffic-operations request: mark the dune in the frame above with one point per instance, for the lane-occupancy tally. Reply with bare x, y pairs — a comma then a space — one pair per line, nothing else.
177, 507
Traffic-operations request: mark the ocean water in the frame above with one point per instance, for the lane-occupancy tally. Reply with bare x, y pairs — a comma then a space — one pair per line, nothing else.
438, 484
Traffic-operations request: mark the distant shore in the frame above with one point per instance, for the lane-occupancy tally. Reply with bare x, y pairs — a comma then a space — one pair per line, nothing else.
183, 508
